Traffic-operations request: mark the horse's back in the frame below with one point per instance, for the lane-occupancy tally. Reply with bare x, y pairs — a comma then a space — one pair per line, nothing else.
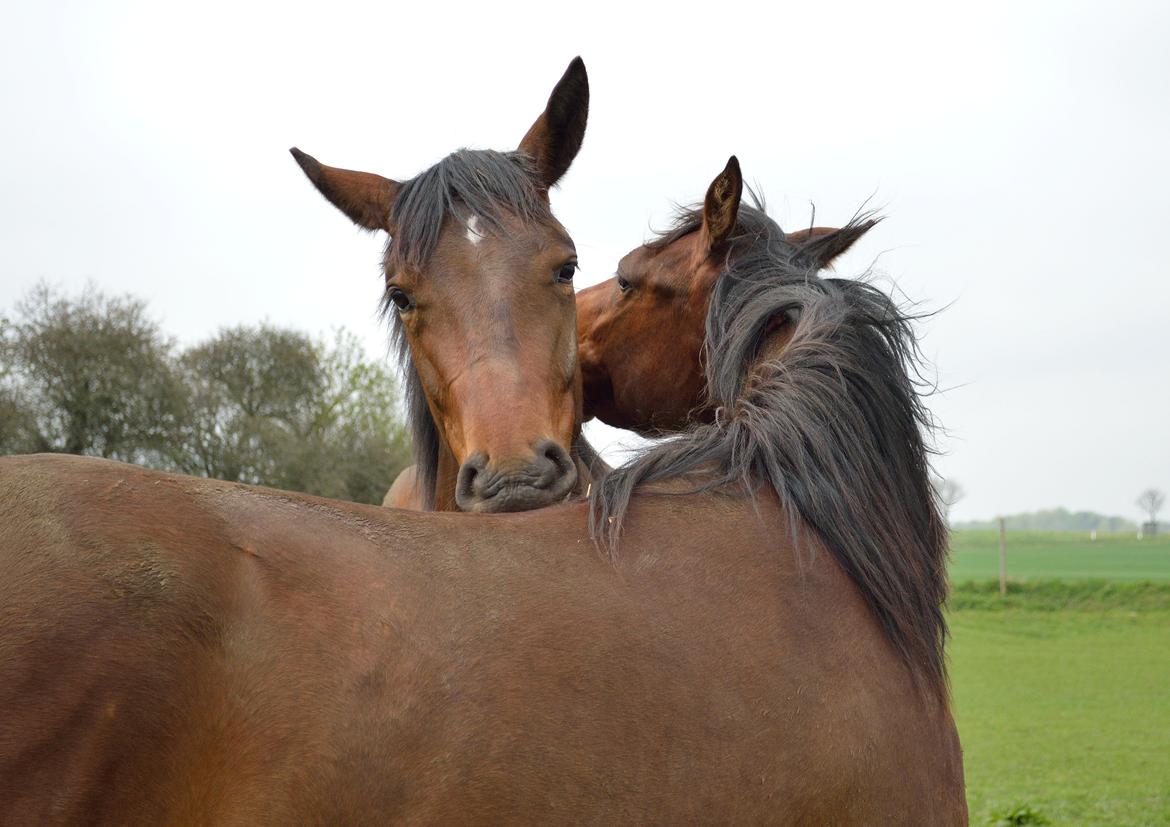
104, 640
158, 664
174, 649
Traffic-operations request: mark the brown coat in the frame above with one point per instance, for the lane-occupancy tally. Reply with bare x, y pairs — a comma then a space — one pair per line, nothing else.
184, 651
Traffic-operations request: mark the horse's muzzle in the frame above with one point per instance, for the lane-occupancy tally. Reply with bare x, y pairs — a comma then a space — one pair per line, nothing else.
546, 478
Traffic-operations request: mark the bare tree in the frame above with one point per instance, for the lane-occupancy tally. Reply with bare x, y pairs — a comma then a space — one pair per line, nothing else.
1151, 501
947, 492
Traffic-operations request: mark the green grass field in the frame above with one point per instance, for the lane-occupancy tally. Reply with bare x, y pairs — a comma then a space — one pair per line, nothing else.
1037, 555
1062, 690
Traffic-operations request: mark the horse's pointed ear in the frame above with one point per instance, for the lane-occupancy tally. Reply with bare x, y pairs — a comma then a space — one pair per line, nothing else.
365, 197
819, 246
554, 140
721, 206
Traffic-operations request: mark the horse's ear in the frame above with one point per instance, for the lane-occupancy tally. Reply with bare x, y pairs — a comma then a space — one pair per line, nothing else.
721, 206
820, 245
365, 197
554, 140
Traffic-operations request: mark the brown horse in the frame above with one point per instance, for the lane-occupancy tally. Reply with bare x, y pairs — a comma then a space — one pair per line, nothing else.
802, 384
176, 650
479, 287
647, 343
758, 292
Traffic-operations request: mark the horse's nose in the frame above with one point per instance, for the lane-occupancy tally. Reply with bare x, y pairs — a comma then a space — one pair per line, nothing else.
542, 479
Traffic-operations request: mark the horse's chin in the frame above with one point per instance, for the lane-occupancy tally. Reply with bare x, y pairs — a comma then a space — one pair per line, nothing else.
519, 497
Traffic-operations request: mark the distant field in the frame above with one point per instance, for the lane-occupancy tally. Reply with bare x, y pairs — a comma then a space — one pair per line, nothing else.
1062, 689
1065, 712
1038, 555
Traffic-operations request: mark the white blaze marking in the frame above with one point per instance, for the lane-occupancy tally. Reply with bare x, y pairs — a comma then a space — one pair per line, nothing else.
474, 233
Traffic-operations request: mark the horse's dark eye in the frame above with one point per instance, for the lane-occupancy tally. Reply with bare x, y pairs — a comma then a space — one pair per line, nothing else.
400, 299
623, 285
565, 275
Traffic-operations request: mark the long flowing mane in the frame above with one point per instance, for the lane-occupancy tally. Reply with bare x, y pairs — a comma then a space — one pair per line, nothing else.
484, 183
834, 425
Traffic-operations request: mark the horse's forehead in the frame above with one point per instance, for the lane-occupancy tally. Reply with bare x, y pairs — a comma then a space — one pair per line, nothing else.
476, 253
474, 230
671, 265
511, 234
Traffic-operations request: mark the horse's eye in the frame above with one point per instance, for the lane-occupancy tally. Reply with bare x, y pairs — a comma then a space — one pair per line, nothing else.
400, 299
623, 285
565, 275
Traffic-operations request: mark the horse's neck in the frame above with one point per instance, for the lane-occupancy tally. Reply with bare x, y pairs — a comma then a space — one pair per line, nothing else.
770, 352
590, 465
446, 478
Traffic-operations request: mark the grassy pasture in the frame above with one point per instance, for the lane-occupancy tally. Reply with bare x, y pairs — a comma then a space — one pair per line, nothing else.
1039, 555
1062, 697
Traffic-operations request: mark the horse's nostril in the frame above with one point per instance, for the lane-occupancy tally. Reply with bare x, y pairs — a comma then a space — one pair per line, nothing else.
470, 473
558, 458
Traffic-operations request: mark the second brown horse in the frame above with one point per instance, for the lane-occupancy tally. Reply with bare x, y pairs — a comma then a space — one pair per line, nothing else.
827, 418
479, 290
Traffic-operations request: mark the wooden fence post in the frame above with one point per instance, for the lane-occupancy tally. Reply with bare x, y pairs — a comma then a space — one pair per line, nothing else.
1002, 559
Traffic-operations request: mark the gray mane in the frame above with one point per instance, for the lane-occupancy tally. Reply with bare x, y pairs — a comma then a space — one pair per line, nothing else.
834, 426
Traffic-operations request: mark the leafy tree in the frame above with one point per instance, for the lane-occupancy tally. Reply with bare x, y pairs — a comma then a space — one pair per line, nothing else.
357, 431
262, 405
273, 407
250, 394
18, 427
90, 375
18, 432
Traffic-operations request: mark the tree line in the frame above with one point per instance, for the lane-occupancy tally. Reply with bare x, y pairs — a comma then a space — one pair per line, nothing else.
94, 374
1053, 519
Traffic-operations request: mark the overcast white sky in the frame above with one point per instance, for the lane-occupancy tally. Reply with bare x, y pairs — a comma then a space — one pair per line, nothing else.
1019, 151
